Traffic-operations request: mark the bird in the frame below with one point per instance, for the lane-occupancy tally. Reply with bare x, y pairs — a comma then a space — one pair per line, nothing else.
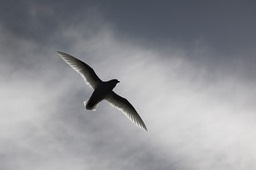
103, 90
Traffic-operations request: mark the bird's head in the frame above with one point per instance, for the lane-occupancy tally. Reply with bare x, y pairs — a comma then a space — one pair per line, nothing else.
114, 82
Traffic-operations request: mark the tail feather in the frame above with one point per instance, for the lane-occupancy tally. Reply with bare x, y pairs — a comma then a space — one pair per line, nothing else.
90, 104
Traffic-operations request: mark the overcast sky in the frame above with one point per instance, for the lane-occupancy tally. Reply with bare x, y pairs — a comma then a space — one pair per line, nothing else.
188, 67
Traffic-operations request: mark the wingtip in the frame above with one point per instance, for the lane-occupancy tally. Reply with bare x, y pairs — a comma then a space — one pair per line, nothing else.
142, 126
61, 53
145, 128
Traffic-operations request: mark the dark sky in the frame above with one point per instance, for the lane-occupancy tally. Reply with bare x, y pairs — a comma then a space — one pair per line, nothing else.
188, 67
225, 25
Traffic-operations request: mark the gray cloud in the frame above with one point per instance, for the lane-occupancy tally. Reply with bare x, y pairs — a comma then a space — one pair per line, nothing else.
226, 26
200, 115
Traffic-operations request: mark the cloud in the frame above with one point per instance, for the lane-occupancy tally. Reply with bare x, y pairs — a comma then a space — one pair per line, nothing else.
200, 115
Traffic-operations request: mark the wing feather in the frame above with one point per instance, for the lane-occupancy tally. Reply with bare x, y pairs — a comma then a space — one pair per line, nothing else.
125, 106
82, 68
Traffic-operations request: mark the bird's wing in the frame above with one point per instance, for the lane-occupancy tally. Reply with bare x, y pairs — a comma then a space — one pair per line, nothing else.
125, 106
82, 68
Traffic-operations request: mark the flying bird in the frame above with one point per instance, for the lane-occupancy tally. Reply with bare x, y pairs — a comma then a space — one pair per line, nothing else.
102, 90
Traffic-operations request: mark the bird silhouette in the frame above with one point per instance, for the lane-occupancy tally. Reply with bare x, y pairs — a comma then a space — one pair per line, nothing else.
102, 90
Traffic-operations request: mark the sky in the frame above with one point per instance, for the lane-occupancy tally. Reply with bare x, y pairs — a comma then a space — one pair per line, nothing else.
186, 66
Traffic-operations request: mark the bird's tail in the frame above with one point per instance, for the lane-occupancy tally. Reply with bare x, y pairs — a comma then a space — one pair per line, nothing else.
90, 104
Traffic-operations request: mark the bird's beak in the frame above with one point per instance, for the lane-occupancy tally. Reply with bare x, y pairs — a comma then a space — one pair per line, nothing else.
118, 81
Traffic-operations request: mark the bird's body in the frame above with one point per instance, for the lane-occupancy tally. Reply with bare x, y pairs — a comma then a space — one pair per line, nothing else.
102, 90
